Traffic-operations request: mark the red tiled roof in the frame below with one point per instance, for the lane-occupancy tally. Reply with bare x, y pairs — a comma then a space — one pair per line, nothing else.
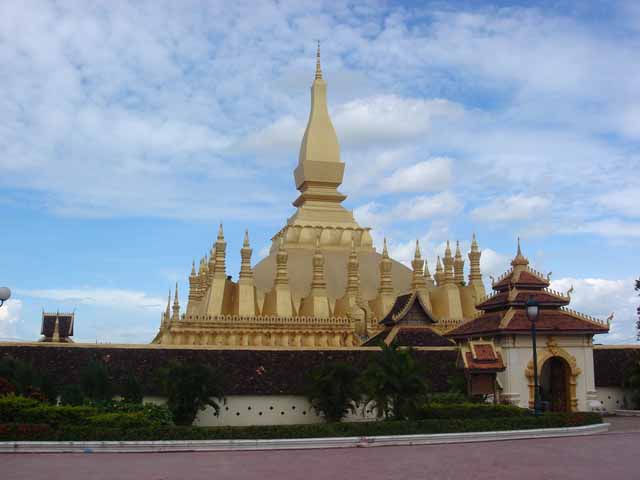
489, 322
556, 320
542, 297
491, 365
549, 320
483, 351
521, 278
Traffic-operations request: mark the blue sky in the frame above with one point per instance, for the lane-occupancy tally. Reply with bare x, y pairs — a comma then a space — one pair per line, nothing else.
128, 130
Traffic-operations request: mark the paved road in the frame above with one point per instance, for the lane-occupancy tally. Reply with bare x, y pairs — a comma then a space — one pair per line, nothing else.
608, 456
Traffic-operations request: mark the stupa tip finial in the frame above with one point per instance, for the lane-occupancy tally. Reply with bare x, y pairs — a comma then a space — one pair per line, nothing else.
458, 253
417, 253
193, 267
519, 251
318, 68
246, 238
220, 232
385, 251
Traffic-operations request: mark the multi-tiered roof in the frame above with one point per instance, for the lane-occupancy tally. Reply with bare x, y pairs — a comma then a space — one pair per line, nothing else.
504, 311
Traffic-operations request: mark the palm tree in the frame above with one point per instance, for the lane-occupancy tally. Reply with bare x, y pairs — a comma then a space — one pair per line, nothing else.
189, 388
396, 383
334, 390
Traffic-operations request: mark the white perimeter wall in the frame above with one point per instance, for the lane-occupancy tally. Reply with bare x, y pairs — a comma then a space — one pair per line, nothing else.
517, 353
243, 410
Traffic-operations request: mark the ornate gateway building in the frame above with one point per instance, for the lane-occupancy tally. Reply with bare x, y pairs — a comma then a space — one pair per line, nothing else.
323, 284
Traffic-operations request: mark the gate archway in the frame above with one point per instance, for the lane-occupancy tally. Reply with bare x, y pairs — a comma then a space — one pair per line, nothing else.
555, 386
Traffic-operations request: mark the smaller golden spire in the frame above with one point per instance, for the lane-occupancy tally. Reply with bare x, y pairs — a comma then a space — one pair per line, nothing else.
245, 244
193, 268
176, 306
385, 251
318, 68
220, 232
417, 254
519, 258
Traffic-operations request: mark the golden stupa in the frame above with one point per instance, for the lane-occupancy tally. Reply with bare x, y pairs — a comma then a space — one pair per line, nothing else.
323, 284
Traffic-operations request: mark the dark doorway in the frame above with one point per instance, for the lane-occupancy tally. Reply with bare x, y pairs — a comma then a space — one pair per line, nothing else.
554, 383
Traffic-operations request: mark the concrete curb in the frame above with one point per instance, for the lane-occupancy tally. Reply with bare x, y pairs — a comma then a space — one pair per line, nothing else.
627, 413
294, 443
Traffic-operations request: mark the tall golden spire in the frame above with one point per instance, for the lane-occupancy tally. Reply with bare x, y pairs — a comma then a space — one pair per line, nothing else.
439, 275
282, 276
386, 283
475, 276
458, 266
448, 265
176, 306
353, 271
220, 254
417, 280
318, 68
245, 255
320, 171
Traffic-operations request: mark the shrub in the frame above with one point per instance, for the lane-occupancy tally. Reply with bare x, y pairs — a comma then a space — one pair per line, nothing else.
71, 395
340, 429
6, 387
132, 390
190, 387
470, 411
447, 398
25, 432
94, 381
334, 390
108, 415
395, 383
11, 406
27, 381
156, 414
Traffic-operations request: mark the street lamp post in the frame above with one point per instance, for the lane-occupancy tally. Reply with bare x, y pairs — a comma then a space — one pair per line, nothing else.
5, 293
533, 310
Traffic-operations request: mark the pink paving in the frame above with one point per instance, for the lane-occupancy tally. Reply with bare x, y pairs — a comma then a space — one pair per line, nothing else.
610, 456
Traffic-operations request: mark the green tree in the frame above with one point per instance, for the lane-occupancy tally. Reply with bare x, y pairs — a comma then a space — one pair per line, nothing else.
95, 383
334, 390
131, 390
395, 383
191, 387
71, 395
27, 381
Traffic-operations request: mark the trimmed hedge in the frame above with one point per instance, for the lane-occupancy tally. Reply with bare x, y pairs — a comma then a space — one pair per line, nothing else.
471, 411
20, 410
356, 429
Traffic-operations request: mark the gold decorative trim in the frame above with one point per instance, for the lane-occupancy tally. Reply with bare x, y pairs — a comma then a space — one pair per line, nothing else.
554, 350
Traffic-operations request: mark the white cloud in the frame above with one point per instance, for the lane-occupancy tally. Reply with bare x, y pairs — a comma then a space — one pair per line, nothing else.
609, 228
102, 297
423, 207
600, 297
10, 318
430, 175
282, 136
515, 207
389, 118
493, 264
626, 202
